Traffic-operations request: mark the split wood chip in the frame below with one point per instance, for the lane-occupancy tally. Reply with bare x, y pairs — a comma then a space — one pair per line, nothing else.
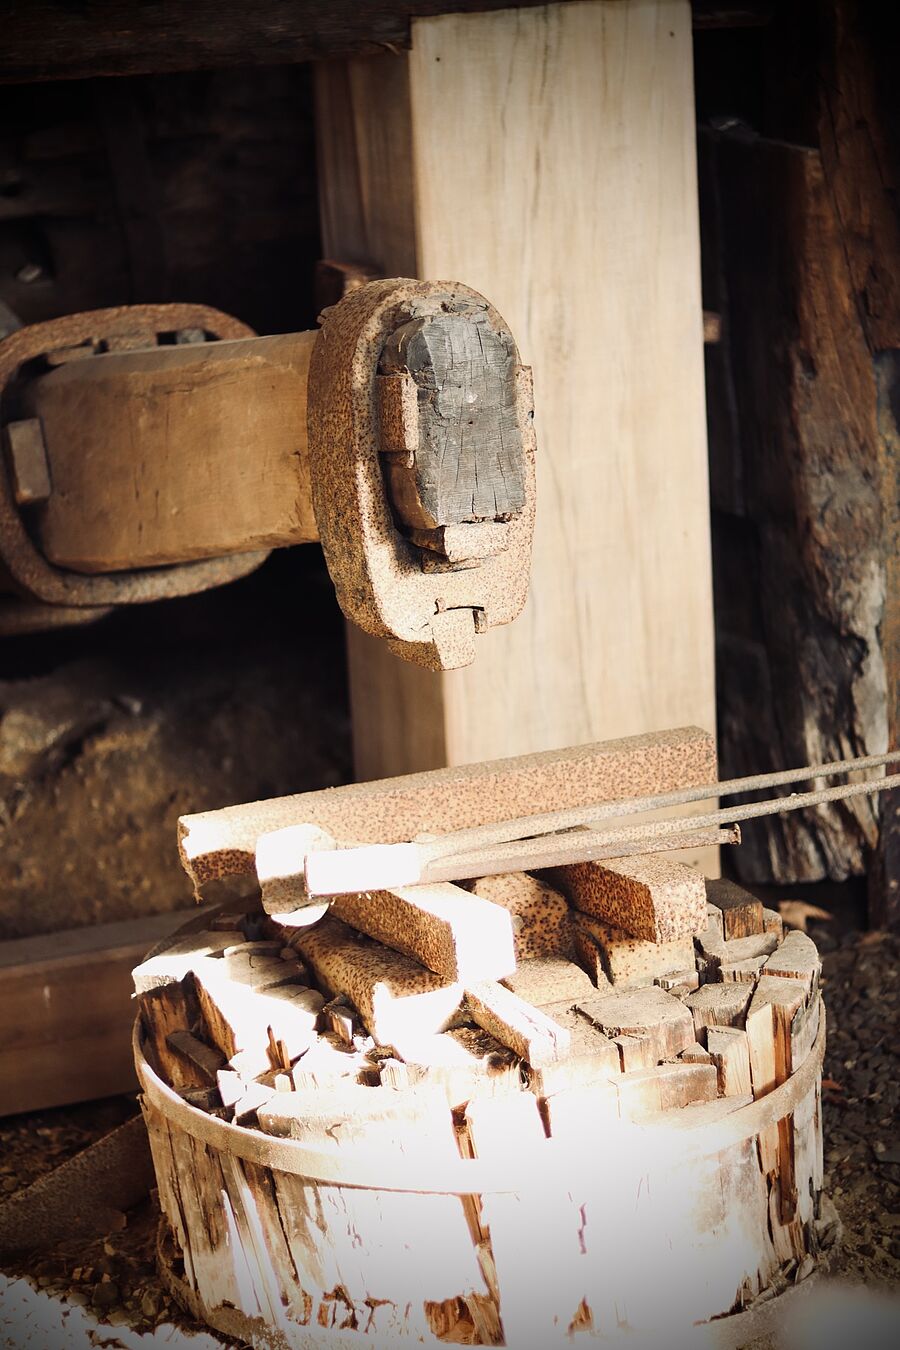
729, 1050
718, 1005
254, 1097
628, 960
695, 1054
397, 998
177, 961
796, 959
467, 1062
804, 1029
775, 1002
636, 1052
770, 1016
668, 1087
696, 1114
773, 923
580, 1115
413, 1122
232, 1087
729, 954
340, 1018
239, 1018
328, 1061
742, 913
647, 895
592, 1057
165, 1009
742, 972
263, 972
203, 1057
527, 1031
541, 921
647, 1012
550, 979
680, 982
454, 933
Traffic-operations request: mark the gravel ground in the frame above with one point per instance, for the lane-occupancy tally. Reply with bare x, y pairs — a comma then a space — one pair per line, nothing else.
107, 1293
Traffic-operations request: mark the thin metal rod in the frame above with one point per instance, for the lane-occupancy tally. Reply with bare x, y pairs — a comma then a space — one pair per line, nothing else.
581, 846
524, 827
554, 850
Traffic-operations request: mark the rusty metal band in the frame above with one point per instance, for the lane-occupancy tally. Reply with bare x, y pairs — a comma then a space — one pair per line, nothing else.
28, 571
519, 1173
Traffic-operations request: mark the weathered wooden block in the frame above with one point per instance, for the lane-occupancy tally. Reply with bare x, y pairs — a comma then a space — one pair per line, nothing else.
551, 979
742, 913
454, 933
718, 1005
729, 1050
649, 896
541, 916
628, 960
533, 1035
796, 959
591, 1059
396, 998
651, 1012
668, 1087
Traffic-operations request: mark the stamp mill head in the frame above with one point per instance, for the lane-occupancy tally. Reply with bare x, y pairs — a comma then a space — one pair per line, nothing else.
154, 451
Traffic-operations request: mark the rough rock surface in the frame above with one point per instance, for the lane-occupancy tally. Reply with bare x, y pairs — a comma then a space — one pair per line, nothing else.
154, 712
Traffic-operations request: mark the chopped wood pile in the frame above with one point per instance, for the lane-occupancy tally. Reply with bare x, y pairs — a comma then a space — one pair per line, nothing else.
439, 1023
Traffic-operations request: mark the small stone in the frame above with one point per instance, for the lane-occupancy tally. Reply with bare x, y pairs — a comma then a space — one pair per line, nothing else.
78, 1298
105, 1295
805, 1269
149, 1305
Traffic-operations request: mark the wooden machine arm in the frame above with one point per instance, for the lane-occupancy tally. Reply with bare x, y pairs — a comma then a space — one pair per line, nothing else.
158, 450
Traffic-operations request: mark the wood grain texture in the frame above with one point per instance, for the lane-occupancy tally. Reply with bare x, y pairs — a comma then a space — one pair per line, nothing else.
564, 187
66, 1013
174, 453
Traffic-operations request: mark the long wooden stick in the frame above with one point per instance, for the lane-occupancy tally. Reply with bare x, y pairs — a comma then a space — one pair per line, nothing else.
379, 867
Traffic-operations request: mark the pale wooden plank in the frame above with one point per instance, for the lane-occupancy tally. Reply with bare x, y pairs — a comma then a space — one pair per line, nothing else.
66, 1012
553, 168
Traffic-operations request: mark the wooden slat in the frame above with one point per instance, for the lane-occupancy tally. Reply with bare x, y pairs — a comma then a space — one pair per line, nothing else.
530, 192
66, 1012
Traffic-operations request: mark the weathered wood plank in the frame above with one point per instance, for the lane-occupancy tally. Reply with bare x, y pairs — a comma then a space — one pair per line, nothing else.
548, 105
66, 1012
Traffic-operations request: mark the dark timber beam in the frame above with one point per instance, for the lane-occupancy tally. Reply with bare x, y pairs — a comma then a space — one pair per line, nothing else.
58, 40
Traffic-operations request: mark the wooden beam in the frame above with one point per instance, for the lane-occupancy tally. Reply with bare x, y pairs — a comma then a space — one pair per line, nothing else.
52, 39
173, 453
223, 843
530, 191
66, 1012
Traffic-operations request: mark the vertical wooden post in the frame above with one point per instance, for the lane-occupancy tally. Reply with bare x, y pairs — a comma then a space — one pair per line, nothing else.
547, 158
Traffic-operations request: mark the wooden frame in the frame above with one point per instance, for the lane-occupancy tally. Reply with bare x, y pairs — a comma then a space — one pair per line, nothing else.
548, 158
